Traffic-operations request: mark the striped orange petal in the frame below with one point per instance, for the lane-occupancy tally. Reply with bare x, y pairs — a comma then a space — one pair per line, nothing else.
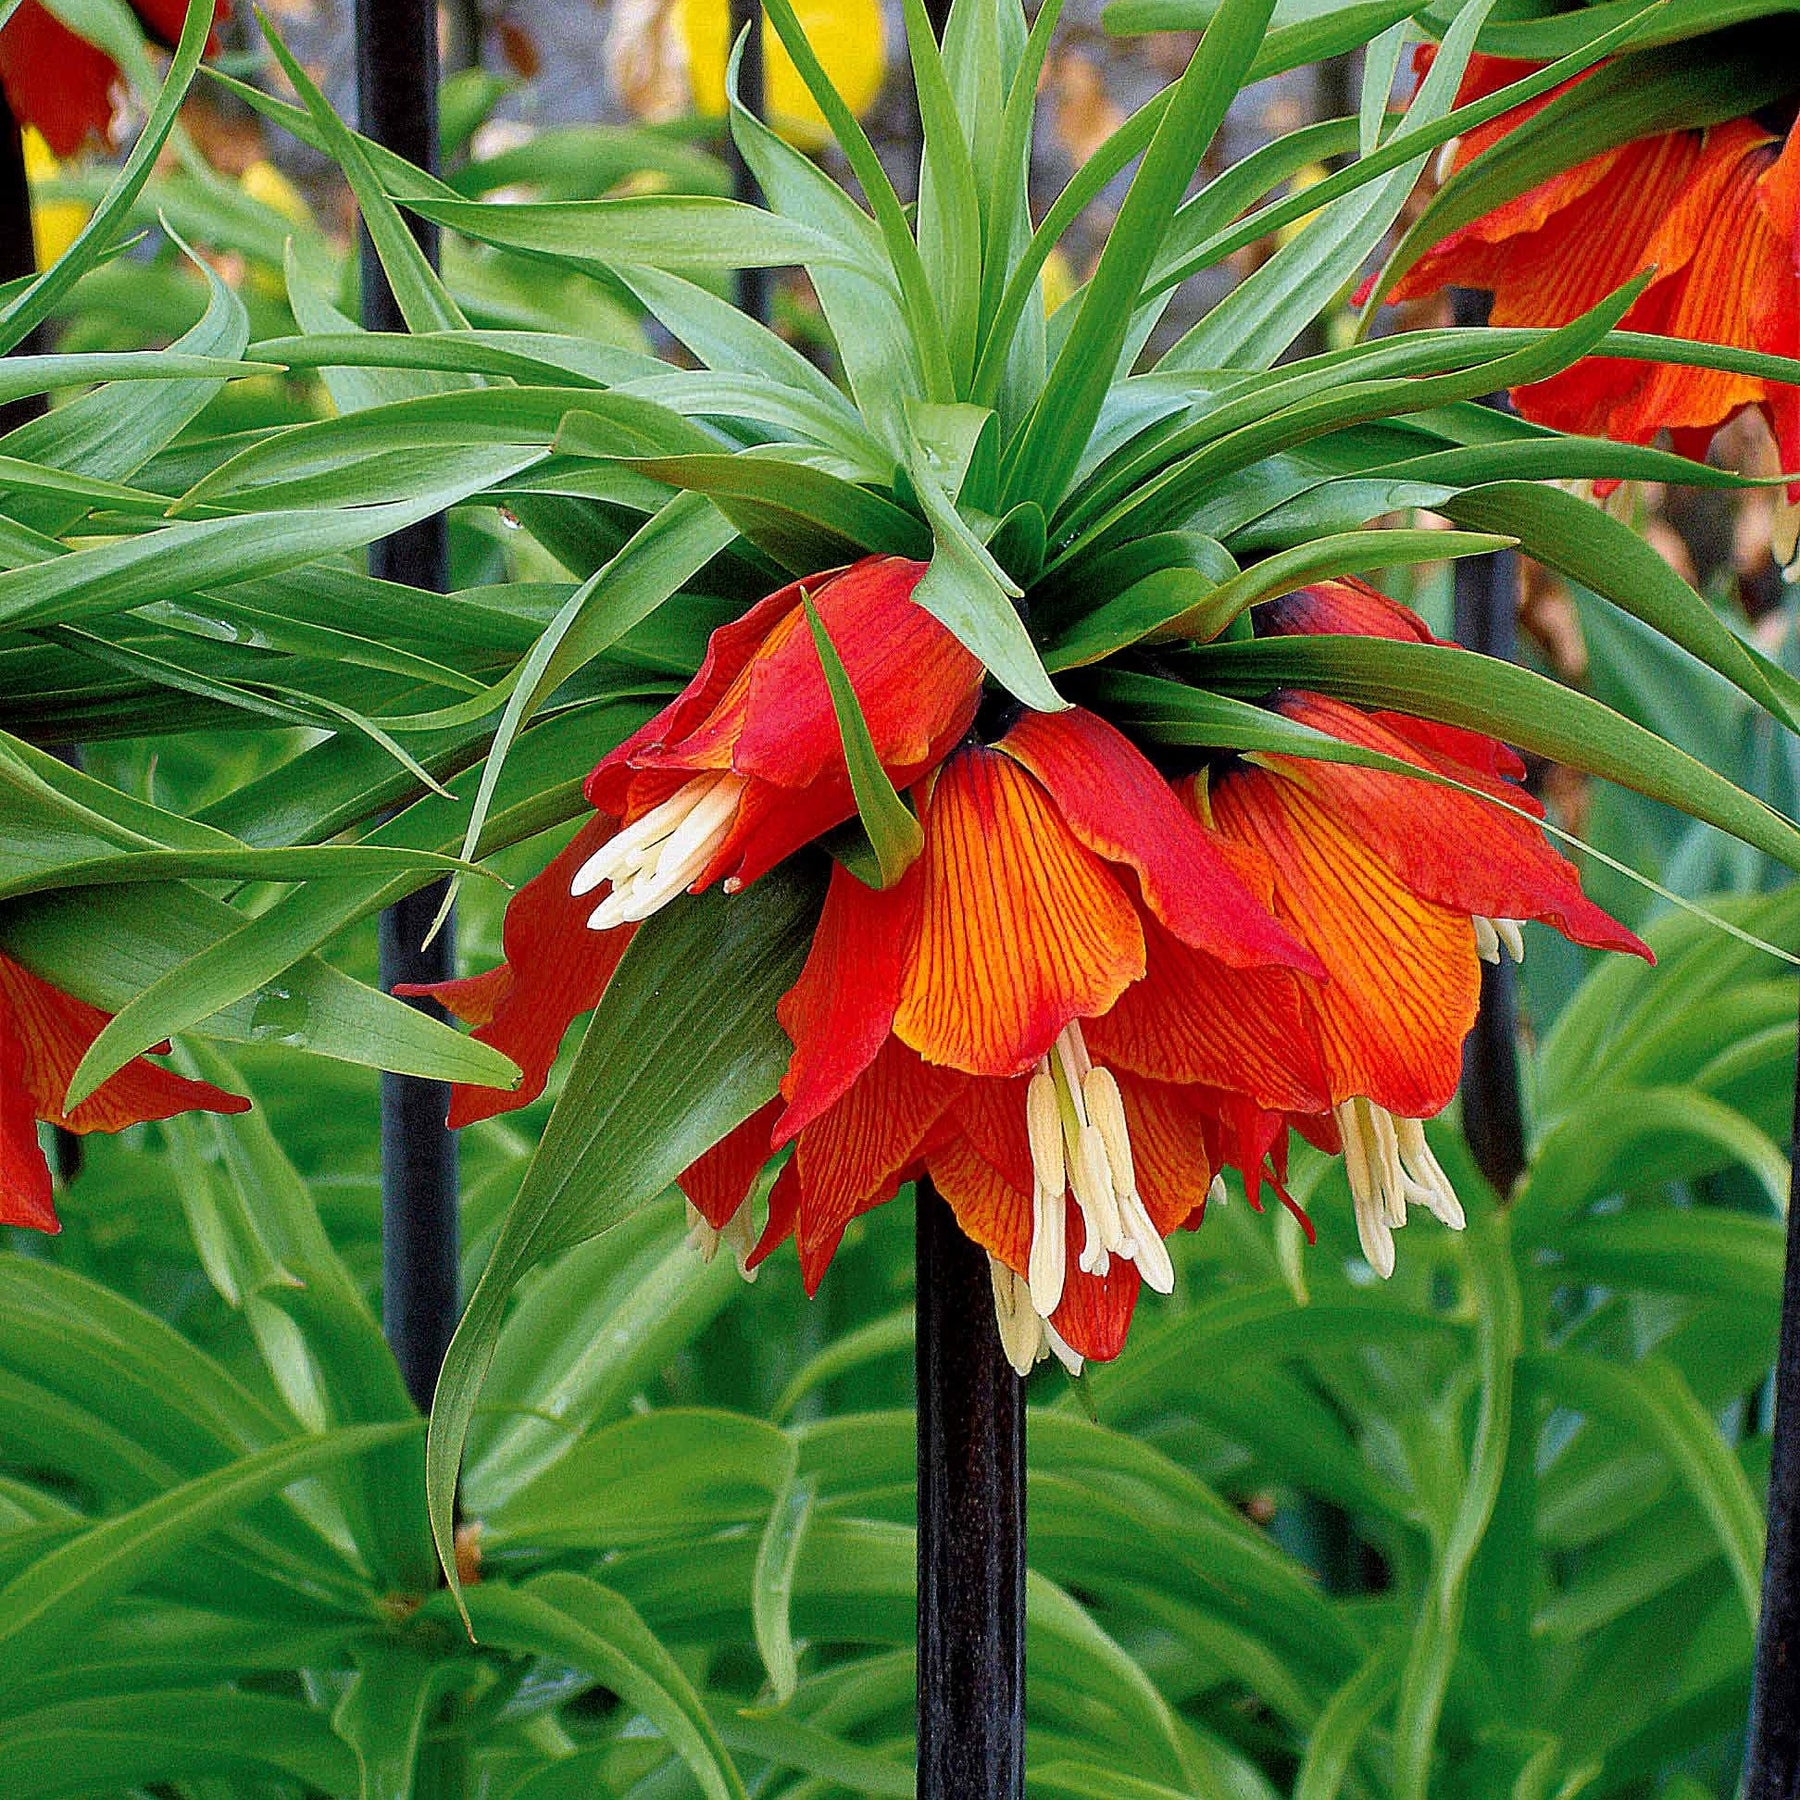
854, 1155
1114, 799
1021, 927
1403, 976
1447, 846
838, 1014
719, 1182
54, 1031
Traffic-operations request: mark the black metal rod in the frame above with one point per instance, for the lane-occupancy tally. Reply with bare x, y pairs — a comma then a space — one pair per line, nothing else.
971, 1525
1493, 1115
754, 288
1772, 1752
397, 81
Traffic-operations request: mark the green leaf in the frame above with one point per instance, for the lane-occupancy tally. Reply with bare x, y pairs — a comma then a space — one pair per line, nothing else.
114, 1742
966, 590
1585, 544
1344, 1723
772, 1592
1458, 687
893, 831
578, 1623
683, 1047
383, 1713
1041, 463
1653, 1396
48, 1603
660, 231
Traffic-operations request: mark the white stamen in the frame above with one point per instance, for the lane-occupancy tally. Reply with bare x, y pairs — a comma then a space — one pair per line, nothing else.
1049, 1248
1081, 1143
738, 1231
1487, 939
1390, 1165
1021, 1329
1065, 1353
1509, 934
1445, 165
665, 851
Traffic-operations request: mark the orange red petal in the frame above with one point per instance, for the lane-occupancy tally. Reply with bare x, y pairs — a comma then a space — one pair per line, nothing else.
1115, 801
1021, 927
555, 969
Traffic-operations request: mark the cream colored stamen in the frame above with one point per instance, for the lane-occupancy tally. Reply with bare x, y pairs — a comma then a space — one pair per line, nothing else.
1216, 1194
738, 1232
1389, 1165
1026, 1335
1081, 1143
659, 855
1492, 936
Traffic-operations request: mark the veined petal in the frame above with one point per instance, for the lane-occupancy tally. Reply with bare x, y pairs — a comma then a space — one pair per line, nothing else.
1170, 1131
1402, 972
1192, 1019
555, 969
25, 1191
990, 1209
1731, 268
719, 1182
1343, 608
1021, 927
609, 788
1447, 846
853, 1155
53, 1031
917, 685
1095, 1313
1121, 808
838, 1014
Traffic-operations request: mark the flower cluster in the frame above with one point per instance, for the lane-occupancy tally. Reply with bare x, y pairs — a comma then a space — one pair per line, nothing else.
44, 1033
1716, 215
1101, 982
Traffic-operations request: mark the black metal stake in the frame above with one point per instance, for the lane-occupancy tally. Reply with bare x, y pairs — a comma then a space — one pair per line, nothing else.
754, 289
397, 81
1487, 611
971, 1525
1772, 1752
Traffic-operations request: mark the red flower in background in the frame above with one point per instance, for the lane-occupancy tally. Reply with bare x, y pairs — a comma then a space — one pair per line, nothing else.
59, 82
1716, 213
44, 1033
1098, 985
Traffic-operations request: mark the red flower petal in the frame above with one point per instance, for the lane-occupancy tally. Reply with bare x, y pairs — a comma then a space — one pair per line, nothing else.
853, 1155
1192, 1019
25, 1195
1116, 802
54, 1030
1021, 927
55, 80
555, 969
719, 1182
1403, 974
1446, 846
1095, 1313
838, 1014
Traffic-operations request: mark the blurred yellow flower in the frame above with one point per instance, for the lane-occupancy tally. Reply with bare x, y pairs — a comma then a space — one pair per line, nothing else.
263, 181
55, 224
847, 35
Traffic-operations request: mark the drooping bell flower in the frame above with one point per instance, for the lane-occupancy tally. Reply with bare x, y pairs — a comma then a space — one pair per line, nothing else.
1716, 214
58, 82
44, 1033
1401, 887
741, 769
948, 1027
